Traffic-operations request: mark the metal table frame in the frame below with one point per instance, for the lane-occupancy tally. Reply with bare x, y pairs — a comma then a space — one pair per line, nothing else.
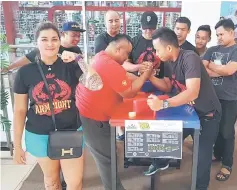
114, 160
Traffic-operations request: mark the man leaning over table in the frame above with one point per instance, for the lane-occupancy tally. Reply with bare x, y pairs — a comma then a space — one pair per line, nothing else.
185, 72
96, 107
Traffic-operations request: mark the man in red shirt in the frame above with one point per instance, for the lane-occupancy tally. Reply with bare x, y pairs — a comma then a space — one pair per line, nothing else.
96, 107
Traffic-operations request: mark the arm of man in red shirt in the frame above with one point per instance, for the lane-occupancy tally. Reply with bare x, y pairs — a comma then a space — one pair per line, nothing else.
120, 82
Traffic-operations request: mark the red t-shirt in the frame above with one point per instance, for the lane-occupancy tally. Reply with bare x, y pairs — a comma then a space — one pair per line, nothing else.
99, 105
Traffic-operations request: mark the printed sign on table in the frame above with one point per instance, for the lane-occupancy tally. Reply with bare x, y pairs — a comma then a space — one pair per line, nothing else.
153, 138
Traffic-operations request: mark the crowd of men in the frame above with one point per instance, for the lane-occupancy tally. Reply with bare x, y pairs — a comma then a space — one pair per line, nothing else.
208, 77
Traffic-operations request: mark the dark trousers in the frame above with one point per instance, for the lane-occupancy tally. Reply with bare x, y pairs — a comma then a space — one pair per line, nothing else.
224, 146
208, 134
97, 139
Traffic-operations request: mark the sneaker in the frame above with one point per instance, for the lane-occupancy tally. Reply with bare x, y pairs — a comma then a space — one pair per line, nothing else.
153, 169
120, 137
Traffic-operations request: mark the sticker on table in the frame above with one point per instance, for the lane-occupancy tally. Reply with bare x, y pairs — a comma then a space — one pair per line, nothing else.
153, 139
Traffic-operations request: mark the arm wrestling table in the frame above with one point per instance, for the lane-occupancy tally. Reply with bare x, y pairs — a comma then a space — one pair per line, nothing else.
185, 113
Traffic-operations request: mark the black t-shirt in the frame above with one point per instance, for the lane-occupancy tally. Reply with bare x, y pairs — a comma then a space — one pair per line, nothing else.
188, 46
187, 66
143, 50
103, 40
31, 55
62, 82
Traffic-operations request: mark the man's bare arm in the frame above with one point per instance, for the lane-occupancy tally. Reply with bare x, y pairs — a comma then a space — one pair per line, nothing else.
130, 67
131, 76
18, 63
163, 85
224, 70
209, 71
212, 73
136, 85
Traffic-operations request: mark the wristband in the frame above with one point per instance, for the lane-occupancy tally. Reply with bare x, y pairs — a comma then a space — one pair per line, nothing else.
78, 58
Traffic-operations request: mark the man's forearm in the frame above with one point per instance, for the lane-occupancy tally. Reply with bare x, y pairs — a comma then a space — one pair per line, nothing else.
135, 87
221, 70
209, 71
131, 76
160, 84
19, 63
184, 97
212, 73
128, 66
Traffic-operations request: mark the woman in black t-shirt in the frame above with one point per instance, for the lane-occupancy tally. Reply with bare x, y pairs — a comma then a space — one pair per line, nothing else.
29, 86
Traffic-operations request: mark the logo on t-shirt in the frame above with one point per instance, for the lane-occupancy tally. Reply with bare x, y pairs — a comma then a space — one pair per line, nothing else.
60, 92
179, 87
219, 59
124, 83
150, 56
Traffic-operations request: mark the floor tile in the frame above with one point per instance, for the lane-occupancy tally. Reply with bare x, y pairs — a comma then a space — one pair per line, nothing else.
12, 175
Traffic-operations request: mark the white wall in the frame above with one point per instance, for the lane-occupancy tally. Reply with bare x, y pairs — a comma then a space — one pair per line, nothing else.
201, 13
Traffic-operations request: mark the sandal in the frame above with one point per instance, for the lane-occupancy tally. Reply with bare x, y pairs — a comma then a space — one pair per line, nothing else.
222, 176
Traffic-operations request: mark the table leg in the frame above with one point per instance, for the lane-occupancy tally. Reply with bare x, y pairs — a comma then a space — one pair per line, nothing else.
113, 158
153, 181
195, 158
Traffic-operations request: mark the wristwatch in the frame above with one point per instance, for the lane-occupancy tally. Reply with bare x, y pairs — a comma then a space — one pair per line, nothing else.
166, 104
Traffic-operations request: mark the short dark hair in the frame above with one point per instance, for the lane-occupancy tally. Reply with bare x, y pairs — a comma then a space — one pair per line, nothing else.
227, 24
46, 26
184, 20
205, 28
166, 35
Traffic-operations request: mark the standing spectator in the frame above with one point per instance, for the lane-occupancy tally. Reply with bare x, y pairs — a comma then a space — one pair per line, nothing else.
29, 86
112, 23
221, 64
69, 39
143, 49
202, 37
182, 29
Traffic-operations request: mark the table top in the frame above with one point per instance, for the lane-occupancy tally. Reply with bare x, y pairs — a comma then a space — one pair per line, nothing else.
185, 113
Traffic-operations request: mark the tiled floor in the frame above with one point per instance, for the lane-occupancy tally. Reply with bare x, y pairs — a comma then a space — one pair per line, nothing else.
12, 175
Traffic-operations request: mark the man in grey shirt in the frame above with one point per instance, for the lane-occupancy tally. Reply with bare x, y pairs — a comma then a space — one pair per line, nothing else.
221, 64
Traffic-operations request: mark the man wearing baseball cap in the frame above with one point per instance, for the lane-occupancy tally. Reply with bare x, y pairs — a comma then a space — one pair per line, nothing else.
143, 50
70, 37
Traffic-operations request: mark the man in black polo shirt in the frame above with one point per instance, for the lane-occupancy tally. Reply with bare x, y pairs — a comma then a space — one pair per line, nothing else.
112, 22
184, 71
70, 37
182, 29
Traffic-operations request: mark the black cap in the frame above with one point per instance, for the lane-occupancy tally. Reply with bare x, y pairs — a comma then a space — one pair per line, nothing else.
72, 26
149, 20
